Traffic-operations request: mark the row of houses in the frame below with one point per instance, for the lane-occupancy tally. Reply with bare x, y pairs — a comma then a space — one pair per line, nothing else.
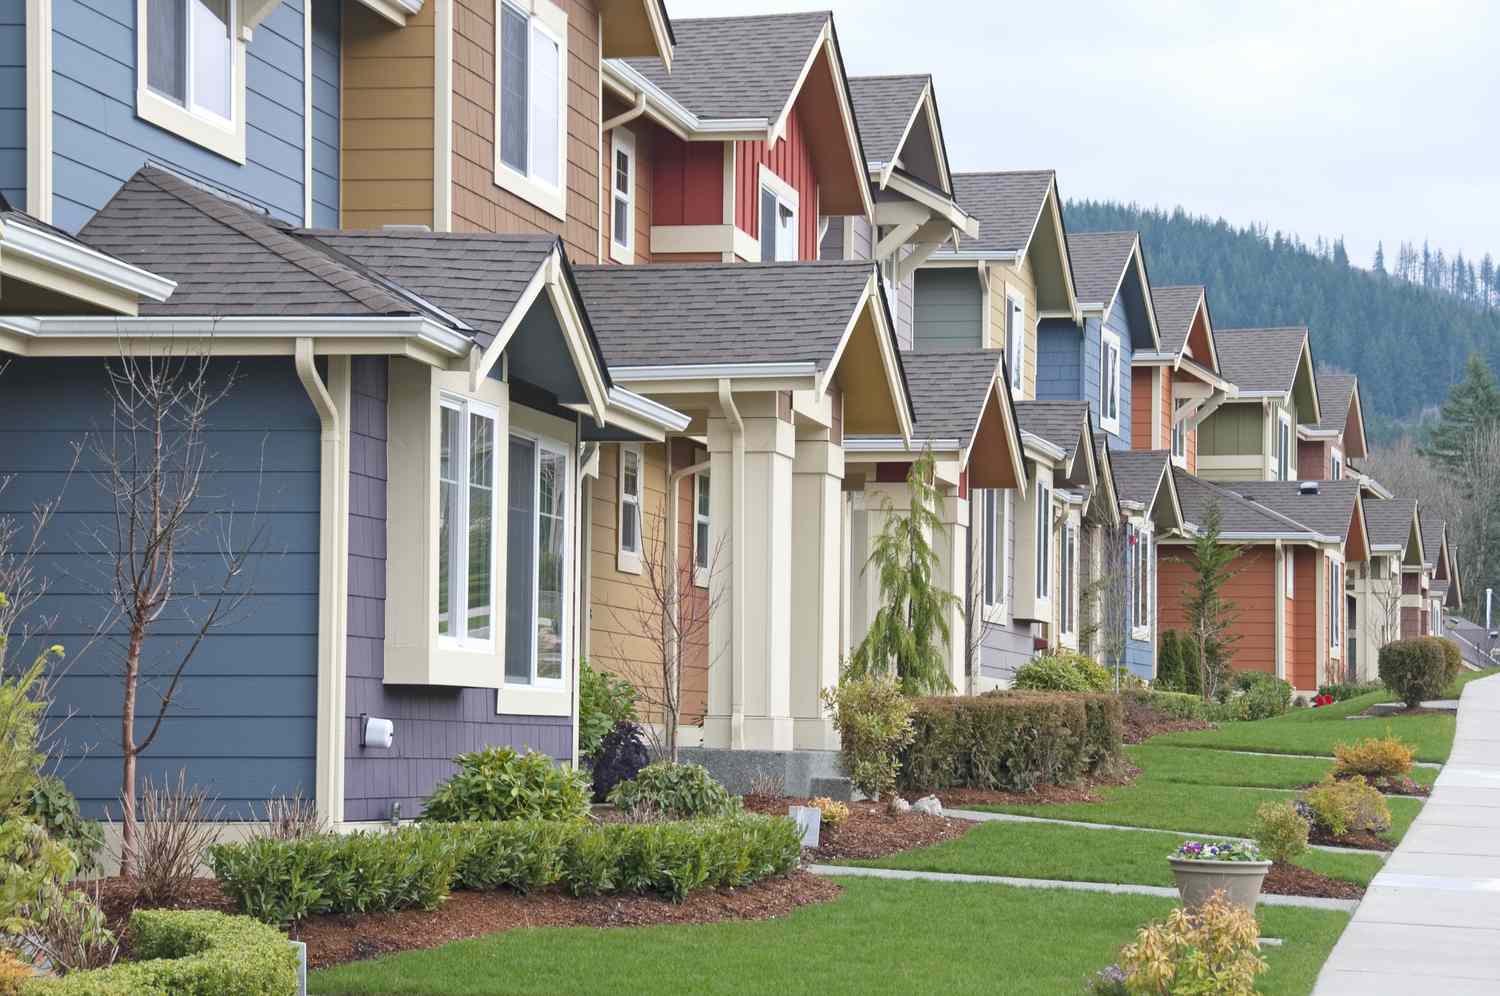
685, 301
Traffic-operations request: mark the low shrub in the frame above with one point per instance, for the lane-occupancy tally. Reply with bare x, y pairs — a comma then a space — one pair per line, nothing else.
13, 972
500, 784
376, 872
1213, 949
1170, 705
874, 720
674, 791
835, 813
1063, 671
1453, 661
68, 930
1011, 740
53, 807
1258, 695
604, 702
1344, 691
523, 855
1346, 805
177, 825
620, 757
1414, 670
1373, 757
188, 953
1280, 831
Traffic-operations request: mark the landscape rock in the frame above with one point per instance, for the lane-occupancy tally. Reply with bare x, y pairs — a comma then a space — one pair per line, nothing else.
928, 805
898, 805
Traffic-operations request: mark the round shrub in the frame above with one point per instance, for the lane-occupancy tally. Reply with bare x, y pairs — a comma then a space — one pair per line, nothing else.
674, 791
604, 702
1373, 757
874, 720
1280, 831
499, 784
620, 757
1414, 670
1258, 695
1453, 660
1063, 671
1346, 805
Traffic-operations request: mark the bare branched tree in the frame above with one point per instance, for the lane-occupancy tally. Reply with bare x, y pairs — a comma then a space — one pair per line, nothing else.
154, 464
1106, 617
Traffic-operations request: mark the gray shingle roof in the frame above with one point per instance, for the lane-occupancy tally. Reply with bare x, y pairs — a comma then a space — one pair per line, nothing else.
1237, 514
1335, 392
721, 312
1058, 422
736, 67
883, 105
1260, 359
9, 212
1389, 521
1006, 206
1328, 512
949, 391
1099, 260
1432, 538
1175, 309
1138, 473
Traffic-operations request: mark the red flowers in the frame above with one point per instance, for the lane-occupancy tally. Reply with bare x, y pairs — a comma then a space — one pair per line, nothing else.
1322, 700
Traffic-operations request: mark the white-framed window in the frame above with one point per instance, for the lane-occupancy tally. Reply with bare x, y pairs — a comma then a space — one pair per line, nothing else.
1336, 465
1015, 338
1068, 615
1109, 381
1335, 603
701, 533
538, 553
190, 72
622, 197
889, 272
778, 219
1140, 583
1043, 540
1289, 564
995, 514
1284, 439
1179, 437
632, 469
468, 463
531, 105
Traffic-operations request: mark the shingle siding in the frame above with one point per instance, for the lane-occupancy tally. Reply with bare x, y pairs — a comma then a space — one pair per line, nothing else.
432, 724
98, 141
13, 102
243, 723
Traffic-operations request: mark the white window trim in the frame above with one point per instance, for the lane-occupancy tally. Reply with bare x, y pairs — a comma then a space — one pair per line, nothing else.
1335, 605
1043, 549
1143, 571
700, 571
1179, 435
225, 138
1336, 461
787, 195
996, 612
622, 141
552, 21
629, 561
1289, 566
1285, 440
467, 407
1015, 347
1109, 390
1069, 611
546, 686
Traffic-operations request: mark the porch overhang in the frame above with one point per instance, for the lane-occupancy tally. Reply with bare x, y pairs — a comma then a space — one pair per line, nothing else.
866, 367
43, 272
634, 29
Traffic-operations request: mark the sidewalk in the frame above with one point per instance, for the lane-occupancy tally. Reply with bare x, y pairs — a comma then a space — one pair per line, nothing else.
1430, 922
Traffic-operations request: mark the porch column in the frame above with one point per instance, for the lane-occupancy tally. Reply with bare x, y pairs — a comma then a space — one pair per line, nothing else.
816, 583
749, 674
953, 576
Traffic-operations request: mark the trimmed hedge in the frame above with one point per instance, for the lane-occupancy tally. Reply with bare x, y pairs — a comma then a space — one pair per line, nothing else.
188, 953
1172, 705
285, 881
1011, 740
1417, 669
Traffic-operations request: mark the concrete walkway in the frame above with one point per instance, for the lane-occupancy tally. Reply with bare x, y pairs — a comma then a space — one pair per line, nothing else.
1430, 922
1162, 891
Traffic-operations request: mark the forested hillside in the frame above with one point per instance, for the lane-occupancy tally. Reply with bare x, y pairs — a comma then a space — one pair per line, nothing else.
1408, 343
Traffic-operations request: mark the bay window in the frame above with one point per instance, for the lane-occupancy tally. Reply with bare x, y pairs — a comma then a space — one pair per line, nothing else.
994, 512
1043, 541
466, 523
537, 564
531, 56
190, 71
701, 534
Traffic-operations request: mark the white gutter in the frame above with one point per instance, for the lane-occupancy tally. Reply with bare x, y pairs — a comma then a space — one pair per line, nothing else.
977, 254
1037, 444
736, 569
628, 116
713, 371
1304, 537
395, 11
657, 414
675, 115
52, 250
242, 326
895, 444
1308, 432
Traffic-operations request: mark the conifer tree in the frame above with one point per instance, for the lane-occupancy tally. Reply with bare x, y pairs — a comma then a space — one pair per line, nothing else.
1473, 405
1210, 615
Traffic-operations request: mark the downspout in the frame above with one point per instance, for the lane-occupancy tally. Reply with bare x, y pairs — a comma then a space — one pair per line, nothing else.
584, 588
628, 116
332, 581
736, 569
674, 481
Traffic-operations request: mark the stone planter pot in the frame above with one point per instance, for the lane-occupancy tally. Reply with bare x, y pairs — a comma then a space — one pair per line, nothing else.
1239, 880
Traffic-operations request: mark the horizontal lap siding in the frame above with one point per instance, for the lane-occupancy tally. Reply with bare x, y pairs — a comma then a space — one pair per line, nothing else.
98, 141
1140, 657
948, 313
1117, 322
432, 724
13, 102
1141, 437
1312, 460
1251, 590
791, 160
326, 31
1302, 667
243, 721
1061, 376
479, 205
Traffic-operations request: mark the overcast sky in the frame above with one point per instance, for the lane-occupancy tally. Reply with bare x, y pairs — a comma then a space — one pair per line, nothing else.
1372, 120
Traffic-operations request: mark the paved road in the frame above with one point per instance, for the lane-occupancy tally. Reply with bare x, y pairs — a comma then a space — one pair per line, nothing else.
1430, 921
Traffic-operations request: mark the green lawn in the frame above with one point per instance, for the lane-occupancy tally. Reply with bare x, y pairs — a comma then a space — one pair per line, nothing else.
877, 937
1078, 854
1202, 766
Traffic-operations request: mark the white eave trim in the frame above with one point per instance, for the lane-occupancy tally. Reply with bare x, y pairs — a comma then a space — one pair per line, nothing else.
1308, 432
395, 11
944, 207
241, 327
51, 250
657, 414
1036, 445
714, 371
668, 112
977, 255
896, 445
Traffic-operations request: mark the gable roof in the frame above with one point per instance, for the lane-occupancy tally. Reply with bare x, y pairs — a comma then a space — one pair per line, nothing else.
1261, 360
1176, 309
1390, 521
1144, 477
885, 106
949, 391
1008, 206
1239, 517
1057, 422
1099, 261
1434, 533
1329, 512
1335, 393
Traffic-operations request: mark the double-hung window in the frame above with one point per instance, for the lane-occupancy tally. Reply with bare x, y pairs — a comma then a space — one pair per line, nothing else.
1109, 382
531, 78
1284, 447
538, 559
1140, 583
190, 72
995, 508
1336, 465
1289, 562
630, 507
701, 534
1043, 541
467, 464
1335, 600
778, 219
1015, 338
622, 199
1179, 438
1066, 615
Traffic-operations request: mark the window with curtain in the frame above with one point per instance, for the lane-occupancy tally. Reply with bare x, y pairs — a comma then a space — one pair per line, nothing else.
778, 223
466, 522
190, 54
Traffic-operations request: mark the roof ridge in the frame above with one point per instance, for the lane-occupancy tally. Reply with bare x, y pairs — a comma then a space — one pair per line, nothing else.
778, 16
892, 76
1133, 232
1006, 172
1263, 328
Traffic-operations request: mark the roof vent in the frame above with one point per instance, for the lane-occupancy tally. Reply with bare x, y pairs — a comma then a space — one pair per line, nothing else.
1307, 488
407, 229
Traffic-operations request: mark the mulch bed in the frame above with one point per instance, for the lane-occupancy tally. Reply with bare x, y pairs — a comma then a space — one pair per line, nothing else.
1362, 839
871, 830
1401, 786
1294, 880
337, 938
1143, 722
